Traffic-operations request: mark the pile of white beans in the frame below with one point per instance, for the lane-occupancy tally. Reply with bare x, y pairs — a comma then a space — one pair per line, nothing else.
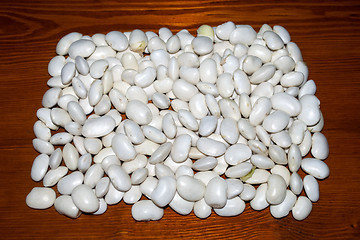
200, 124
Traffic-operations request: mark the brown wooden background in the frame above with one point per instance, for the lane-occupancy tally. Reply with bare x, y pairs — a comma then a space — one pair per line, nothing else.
328, 33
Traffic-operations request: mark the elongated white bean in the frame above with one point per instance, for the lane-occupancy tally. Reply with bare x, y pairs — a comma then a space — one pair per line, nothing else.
259, 201
181, 148
315, 168
302, 208
311, 187
320, 146
216, 193
164, 192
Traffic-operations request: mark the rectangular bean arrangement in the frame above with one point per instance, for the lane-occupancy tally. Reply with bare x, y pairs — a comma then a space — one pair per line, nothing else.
199, 124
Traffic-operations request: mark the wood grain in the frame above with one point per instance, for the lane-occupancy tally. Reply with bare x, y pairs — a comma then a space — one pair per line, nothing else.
328, 33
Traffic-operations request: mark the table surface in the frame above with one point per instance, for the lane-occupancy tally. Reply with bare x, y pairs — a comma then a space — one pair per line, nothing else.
327, 32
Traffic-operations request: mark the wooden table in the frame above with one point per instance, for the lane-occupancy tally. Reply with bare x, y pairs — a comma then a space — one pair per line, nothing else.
328, 33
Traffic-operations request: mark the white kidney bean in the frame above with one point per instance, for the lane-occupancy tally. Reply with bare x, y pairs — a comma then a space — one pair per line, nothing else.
261, 52
154, 134
207, 125
41, 131
310, 112
84, 162
163, 171
276, 191
161, 153
113, 196
229, 109
311, 187
283, 172
294, 158
246, 129
117, 40
138, 112
54, 175
40, 167
281, 138
102, 187
146, 210
233, 207
197, 106
305, 145
81, 47
44, 114
245, 105
283, 209
248, 192
82, 65
70, 156
235, 187
273, 41
260, 110
55, 66
51, 97
205, 164
184, 90
216, 193
188, 120
276, 121
315, 168
211, 147
102, 207
65, 206
229, 130
320, 146
180, 205
277, 154
297, 131
259, 176
201, 209
93, 175
55, 158
67, 184
263, 74
202, 45
61, 138
190, 189
139, 176
224, 30
237, 154
259, 201
261, 161
239, 170
119, 178
244, 34
296, 183
164, 192
133, 195
302, 208
65, 42
181, 147
133, 132
41, 198
85, 199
